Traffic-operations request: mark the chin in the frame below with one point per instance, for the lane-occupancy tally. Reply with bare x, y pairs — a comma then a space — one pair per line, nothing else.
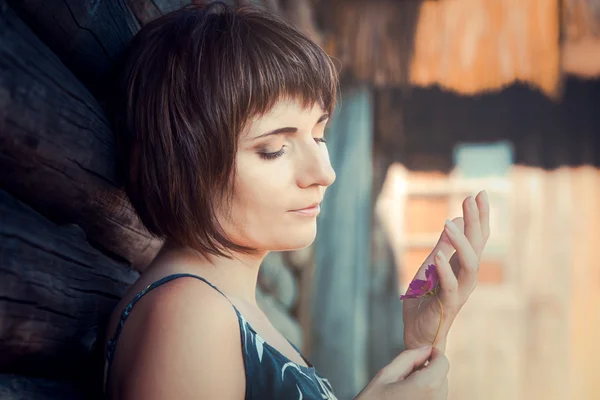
296, 239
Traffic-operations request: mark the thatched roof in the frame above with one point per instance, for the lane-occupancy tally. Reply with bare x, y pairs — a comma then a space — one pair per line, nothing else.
371, 39
467, 46
474, 45
581, 38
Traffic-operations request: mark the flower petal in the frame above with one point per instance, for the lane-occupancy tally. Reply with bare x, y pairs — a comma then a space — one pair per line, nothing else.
417, 284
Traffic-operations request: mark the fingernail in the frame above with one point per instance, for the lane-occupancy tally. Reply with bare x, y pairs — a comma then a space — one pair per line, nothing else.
426, 347
451, 226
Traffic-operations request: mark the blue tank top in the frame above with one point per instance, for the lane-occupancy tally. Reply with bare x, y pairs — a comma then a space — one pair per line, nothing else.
269, 374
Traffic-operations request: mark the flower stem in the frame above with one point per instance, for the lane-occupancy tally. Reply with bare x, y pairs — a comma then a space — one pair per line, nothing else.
441, 319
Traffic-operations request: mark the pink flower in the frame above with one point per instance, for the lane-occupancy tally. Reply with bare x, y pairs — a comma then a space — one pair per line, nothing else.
423, 288
420, 288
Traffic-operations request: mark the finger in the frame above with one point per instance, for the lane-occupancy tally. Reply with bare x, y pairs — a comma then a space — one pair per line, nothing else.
469, 262
435, 373
444, 245
405, 363
448, 281
483, 204
472, 224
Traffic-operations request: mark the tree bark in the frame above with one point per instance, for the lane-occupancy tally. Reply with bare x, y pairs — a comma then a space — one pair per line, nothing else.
56, 292
57, 149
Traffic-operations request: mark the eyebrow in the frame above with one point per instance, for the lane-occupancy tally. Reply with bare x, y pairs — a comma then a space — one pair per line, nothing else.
289, 129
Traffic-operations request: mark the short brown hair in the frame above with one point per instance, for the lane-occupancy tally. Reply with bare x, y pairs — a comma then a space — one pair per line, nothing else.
190, 81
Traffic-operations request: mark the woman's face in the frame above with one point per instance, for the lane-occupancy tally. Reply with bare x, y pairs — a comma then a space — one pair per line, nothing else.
282, 172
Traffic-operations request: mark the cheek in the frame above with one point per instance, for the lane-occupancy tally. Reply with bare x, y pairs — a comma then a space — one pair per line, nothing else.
261, 187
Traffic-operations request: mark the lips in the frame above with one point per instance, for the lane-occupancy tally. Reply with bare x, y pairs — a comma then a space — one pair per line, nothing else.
314, 205
311, 211
311, 207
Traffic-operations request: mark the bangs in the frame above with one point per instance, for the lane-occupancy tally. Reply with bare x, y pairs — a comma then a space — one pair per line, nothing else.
263, 60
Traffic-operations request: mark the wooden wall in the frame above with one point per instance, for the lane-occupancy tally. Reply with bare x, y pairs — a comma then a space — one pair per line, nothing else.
70, 243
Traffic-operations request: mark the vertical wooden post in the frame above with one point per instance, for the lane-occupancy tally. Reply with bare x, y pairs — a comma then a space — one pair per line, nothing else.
340, 296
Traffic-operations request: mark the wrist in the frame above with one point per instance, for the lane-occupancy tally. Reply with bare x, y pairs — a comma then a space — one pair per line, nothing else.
414, 343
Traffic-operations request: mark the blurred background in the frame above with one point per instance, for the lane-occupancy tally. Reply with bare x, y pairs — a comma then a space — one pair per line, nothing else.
439, 100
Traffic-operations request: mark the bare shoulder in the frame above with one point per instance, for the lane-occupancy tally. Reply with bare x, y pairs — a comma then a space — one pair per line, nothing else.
183, 342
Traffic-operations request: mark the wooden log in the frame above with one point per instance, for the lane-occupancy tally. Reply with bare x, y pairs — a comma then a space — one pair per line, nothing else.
88, 36
16, 387
55, 293
57, 149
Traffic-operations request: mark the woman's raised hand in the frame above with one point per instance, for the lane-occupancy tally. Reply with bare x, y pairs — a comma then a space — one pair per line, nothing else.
457, 276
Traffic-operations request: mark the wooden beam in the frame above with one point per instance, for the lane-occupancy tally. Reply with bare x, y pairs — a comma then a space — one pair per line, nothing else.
55, 293
57, 149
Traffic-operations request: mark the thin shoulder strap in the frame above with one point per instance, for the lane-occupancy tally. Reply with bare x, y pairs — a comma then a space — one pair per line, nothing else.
112, 343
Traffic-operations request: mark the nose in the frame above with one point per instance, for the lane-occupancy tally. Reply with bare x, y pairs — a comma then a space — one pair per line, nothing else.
315, 167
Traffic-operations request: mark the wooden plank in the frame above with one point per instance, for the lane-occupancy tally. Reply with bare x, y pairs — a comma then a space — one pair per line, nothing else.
55, 293
57, 149
585, 282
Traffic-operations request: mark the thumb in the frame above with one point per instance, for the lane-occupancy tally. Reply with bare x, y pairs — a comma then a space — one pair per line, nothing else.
405, 363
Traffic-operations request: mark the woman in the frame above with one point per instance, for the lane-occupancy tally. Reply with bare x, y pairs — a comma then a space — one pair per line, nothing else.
220, 118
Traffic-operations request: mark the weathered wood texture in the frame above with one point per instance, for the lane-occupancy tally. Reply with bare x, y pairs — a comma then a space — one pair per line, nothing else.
16, 387
55, 293
342, 251
57, 149
88, 36
59, 283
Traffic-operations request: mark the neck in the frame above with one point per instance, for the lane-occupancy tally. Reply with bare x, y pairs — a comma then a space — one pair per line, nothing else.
235, 277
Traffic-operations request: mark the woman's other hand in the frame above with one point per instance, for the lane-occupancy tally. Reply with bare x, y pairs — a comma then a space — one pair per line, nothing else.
407, 377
